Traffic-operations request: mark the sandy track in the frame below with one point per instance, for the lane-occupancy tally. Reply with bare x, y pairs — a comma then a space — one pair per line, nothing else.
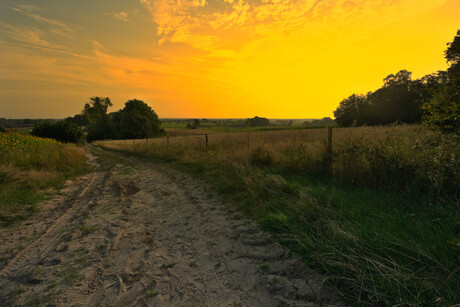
143, 234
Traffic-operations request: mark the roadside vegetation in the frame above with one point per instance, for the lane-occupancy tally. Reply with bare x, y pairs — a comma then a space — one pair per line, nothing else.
28, 166
380, 218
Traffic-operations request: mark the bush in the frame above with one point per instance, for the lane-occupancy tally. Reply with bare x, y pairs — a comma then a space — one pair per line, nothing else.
63, 131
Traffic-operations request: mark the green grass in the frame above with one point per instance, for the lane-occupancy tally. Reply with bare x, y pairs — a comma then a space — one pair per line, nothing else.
87, 229
265, 267
152, 293
52, 285
372, 246
173, 125
167, 266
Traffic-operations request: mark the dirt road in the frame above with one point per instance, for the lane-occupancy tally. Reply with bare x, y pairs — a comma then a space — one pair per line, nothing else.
137, 233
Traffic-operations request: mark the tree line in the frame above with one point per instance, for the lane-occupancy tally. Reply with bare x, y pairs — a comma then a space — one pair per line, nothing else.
135, 121
433, 99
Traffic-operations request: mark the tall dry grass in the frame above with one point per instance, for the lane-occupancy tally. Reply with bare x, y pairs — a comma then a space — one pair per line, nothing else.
404, 159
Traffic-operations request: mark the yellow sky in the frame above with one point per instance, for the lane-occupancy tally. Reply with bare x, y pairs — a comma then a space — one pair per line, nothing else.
209, 58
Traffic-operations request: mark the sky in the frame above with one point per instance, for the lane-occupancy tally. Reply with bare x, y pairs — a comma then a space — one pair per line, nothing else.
213, 58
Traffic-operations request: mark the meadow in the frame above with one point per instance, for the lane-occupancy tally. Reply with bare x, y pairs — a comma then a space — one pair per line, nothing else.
378, 217
30, 165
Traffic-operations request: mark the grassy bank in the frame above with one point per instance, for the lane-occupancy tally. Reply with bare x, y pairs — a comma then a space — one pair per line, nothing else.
28, 165
382, 224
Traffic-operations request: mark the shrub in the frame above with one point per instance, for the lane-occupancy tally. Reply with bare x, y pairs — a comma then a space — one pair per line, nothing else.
63, 131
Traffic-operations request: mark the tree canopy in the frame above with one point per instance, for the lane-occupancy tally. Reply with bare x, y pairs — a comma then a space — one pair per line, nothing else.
435, 98
257, 122
443, 109
136, 120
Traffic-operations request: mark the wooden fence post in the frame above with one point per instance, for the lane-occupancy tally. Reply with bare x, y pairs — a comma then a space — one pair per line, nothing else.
206, 136
329, 150
248, 140
167, 142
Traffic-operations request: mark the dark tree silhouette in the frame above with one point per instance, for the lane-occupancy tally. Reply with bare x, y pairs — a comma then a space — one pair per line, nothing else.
325, 121
257, 122
100, 125
400, 99
96, 108
352, 110
136, 120
78, 119
63, 131
443, 109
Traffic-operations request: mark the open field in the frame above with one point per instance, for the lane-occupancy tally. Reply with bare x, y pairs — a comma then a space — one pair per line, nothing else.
380, 218
170, 128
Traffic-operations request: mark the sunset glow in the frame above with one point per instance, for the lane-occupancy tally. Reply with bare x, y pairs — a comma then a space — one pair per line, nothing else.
213, 58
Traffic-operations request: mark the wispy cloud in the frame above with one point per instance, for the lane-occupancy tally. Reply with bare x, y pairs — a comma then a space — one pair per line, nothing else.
23, 34
123, 16
58, 27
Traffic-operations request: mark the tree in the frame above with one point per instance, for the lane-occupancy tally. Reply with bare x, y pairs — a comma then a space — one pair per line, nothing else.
96, 108
137, 120
453, 58
400, 99
443, 109
99, 124
403, 77
78, 119
257, 122
352, 110
325, 121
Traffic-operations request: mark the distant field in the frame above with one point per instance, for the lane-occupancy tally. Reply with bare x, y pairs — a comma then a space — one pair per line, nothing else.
380, 217
181, 129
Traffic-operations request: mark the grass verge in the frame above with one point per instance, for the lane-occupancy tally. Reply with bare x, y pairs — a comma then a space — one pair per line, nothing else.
28, 167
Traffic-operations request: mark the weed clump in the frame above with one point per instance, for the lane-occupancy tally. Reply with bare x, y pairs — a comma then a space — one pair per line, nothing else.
260, 157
